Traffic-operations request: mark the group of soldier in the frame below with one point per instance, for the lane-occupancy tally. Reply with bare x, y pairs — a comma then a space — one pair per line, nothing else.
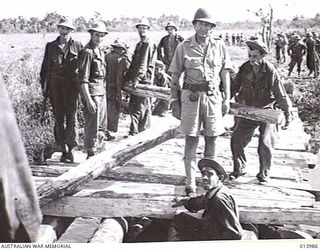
236, 39
297, 48
198, 70
69, 69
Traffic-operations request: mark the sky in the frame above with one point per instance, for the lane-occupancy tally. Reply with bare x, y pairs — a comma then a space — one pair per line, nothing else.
222, 10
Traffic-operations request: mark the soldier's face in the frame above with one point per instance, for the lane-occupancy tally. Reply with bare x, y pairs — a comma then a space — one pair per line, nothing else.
255, 56
143, 30
210, 179
64, 31
203, 29
171, 30
97, 37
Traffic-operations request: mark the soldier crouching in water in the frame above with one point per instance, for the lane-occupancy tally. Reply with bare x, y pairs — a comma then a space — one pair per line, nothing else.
220, 219
58, 78
117, 64
205, 62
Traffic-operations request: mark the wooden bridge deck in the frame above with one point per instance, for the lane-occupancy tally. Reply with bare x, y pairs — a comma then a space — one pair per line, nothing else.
146, 184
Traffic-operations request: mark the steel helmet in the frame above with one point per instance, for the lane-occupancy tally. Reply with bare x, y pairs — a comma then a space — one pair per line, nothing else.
204, 16
171, 24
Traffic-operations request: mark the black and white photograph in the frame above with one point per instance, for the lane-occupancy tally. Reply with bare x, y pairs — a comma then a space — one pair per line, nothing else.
152, 124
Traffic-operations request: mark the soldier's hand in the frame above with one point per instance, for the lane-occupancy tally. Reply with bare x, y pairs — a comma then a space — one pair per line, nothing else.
178, 202
225, 107
92, 107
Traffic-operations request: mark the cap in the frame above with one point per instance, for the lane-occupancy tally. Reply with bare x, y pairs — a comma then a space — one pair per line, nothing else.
119, 44
214, 165
257, 44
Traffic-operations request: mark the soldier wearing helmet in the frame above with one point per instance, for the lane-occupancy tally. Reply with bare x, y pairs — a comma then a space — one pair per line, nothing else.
58, 78
204, 61
168, 44
141, 70
92, 74
296, 50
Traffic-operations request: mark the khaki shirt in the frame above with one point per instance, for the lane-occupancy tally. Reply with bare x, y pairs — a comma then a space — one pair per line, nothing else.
200, 65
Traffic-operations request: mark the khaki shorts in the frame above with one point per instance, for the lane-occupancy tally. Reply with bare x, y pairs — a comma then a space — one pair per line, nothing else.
205, 113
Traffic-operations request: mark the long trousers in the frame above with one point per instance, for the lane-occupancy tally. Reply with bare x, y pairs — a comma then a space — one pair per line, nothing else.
94, 121
240, 139
140, 113
64, 99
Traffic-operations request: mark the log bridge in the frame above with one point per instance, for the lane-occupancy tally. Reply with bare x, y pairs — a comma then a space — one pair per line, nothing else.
95, 200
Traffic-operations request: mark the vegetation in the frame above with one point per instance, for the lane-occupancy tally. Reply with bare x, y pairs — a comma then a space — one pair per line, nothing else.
49, 23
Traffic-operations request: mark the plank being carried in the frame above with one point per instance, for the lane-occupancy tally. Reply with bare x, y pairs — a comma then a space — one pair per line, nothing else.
253, 113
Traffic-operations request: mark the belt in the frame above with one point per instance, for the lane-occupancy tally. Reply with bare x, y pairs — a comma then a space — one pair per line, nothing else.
202, 87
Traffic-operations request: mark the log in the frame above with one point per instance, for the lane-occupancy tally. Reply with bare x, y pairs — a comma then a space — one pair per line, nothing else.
67, 183
257, 114
161, 208
240, 110
46, 234
110, 230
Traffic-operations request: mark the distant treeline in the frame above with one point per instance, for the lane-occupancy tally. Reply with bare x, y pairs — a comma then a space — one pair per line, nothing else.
49, 23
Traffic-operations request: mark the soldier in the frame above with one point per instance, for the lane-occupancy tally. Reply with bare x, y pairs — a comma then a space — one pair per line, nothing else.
220, 219
233, 37
257, 84
227, 39
296, 50
117, 65
141, 71
161, 79
20, 214
311, 56
168, 44
58, 78
92, 75
281, 43
205, 62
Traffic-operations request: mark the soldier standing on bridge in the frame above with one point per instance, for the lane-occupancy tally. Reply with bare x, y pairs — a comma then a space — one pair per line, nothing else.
92, 75
141, 71
168, 44
58, 78
117, 64
257, 84
205, 62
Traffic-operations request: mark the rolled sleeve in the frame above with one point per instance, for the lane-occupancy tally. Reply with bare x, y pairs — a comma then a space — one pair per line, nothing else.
85, 59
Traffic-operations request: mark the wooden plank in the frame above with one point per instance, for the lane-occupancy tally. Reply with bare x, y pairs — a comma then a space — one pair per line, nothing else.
240, 110
246, 194
80, 230
68, 182
161, 208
